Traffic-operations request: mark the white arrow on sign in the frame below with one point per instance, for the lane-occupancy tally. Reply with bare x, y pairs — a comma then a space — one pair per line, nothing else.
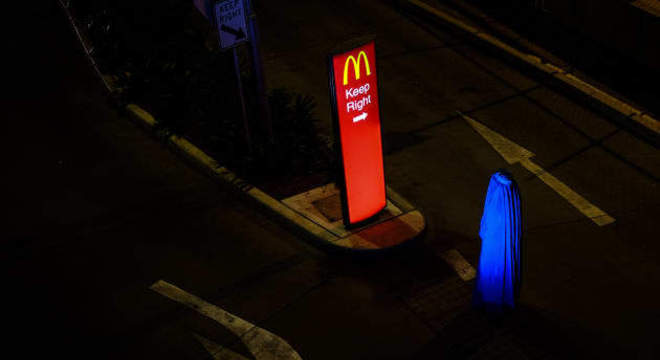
360, 117
263, 344
514, 153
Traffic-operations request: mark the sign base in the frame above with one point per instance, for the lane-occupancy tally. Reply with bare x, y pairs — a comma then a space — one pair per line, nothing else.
396, 224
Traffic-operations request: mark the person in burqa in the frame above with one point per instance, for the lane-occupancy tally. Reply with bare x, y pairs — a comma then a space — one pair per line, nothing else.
498, 280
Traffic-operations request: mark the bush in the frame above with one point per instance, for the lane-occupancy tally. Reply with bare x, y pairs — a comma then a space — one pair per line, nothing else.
299, 146
157, 54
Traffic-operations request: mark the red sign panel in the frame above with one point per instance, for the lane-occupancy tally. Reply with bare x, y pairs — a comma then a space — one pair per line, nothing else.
354, 94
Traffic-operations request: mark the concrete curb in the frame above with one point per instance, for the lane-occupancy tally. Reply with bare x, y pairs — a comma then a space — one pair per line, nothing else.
619, 108
212, 168
209, 165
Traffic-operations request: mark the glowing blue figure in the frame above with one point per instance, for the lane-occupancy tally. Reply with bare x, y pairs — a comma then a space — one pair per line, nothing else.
498, 276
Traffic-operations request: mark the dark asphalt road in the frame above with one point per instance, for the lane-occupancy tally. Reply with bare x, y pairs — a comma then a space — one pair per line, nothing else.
97, 211
601, 281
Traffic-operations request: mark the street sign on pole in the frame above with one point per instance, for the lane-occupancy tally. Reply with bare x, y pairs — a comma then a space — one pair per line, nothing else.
230, 18
356, 115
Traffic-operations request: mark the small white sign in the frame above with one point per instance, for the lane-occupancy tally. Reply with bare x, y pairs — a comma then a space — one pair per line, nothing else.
230, 17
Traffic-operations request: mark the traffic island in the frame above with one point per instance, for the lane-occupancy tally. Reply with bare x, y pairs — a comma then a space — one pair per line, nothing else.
316, 212
395, 224
378, 217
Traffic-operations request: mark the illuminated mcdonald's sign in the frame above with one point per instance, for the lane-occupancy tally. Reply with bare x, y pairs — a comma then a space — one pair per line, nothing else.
356, 114
356, 65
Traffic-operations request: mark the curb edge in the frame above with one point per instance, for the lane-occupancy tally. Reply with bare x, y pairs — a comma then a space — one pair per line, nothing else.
611, 102
211, 166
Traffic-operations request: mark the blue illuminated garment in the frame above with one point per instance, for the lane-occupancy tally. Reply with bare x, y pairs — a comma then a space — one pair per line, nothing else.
498, 276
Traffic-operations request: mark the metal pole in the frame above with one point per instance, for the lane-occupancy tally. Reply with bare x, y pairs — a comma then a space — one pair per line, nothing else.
239, 83
253, 31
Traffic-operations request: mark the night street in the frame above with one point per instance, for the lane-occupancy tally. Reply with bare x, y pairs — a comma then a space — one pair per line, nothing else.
99, 211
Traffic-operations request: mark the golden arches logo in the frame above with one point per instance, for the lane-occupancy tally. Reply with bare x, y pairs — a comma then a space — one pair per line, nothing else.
356, 65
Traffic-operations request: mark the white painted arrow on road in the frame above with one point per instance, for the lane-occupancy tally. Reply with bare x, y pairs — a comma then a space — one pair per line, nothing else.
514, 153
217, 351
263, 344
360, 117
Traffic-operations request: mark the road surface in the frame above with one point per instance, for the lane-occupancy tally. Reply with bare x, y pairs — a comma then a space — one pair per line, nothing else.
99, 212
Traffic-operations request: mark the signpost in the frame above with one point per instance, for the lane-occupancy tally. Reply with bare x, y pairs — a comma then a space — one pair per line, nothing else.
253, 33
230, 18
356, 114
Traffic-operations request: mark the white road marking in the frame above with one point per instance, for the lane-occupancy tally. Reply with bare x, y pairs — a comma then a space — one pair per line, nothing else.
217, 351
463, 268
263, 344
514, 153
